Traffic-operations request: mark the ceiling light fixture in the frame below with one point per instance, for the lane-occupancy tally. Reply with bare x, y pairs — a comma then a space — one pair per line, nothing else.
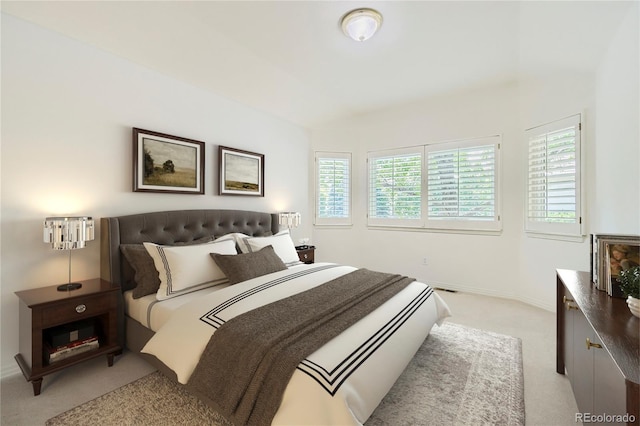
361, 24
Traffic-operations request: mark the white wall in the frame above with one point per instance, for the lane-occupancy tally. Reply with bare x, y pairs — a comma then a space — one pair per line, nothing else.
617, 165
480, 263
67, 114
512, 264
542, 101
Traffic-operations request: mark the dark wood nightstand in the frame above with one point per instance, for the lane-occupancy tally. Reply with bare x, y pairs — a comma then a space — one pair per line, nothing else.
45, 311
306, 253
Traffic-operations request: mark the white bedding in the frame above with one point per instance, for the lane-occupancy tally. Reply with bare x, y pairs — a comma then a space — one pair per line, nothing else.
153, 313
343, 381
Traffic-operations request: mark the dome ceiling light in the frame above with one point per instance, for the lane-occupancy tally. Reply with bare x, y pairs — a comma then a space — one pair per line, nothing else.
361, 24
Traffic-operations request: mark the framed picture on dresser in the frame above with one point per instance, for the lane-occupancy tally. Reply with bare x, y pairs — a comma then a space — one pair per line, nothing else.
611, 254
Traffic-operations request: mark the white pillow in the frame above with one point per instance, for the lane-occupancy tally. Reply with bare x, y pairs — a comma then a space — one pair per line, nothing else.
281, 242
237, 237
184, 269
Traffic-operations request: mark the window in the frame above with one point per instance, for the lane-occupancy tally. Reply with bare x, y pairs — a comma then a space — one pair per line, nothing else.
462, 184
452, 185
553, 180
333, 188
395, 187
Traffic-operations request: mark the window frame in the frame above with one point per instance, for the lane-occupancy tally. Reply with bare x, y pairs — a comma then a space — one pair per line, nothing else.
549, 227
448, 225
332, 221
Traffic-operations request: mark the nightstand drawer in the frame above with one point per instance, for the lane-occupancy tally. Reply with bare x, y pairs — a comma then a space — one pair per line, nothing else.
72, 310
306, 254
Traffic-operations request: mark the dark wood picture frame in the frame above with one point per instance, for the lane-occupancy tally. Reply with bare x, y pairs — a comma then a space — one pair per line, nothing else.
167, 163
240, 172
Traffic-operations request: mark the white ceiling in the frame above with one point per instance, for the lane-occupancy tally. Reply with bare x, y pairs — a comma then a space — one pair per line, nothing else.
290, 58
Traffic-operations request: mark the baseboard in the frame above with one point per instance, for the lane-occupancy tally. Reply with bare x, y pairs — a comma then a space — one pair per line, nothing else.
10, 371
493, 293
538, 304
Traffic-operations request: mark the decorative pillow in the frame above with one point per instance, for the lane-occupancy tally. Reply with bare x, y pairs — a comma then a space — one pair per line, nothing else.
242, 267
235, 236
188, 268
145, 274
281, 242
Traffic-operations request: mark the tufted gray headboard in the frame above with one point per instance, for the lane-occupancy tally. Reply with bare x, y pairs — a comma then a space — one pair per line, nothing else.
170, 227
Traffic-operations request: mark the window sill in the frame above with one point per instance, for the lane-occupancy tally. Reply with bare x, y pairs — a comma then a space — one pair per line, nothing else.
557, 237
436, 230
333, 225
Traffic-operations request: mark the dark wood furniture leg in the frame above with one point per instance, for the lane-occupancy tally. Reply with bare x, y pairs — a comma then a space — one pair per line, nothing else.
37, 386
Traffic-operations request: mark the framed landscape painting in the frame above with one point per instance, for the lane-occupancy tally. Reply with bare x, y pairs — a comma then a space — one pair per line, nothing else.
166, 163
241, 172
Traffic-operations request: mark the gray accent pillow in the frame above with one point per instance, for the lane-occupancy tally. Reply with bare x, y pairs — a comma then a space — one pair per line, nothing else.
146, 278
244, 266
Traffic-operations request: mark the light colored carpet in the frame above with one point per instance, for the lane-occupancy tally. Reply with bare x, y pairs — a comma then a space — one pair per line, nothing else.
460, 376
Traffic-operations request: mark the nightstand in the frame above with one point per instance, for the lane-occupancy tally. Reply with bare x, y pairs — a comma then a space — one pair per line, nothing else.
46, 312
306, 253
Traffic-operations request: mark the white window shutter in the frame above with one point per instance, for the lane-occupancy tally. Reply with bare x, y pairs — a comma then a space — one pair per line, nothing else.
395, 187
333, 188
554, 179
463, 179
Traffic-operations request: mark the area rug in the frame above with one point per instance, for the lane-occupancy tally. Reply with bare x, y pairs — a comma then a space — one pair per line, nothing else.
460, 376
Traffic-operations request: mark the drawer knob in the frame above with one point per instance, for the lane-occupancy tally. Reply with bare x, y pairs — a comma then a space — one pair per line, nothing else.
592, 345
81, 308
305, 255
570, 306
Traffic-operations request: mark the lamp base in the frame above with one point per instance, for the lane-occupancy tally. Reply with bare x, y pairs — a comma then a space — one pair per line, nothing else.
69, 287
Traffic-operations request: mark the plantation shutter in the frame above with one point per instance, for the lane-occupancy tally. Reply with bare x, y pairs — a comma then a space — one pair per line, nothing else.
395, 186
333, 188
450, 185
462, 184
553, 179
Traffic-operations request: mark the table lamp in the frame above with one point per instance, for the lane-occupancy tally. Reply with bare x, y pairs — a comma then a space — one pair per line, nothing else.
290, 219
68, 233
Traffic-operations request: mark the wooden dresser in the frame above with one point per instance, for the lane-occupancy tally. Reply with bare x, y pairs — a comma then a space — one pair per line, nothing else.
598, 348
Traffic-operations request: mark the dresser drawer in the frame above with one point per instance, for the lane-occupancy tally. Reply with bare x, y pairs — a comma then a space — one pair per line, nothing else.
71, 310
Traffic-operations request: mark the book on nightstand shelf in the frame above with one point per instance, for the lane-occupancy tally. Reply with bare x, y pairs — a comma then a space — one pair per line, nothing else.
58, 353
65, 334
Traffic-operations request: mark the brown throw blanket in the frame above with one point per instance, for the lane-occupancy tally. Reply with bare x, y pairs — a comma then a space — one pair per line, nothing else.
248, 362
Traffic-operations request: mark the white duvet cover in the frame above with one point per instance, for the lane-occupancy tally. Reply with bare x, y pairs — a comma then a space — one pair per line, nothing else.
339, 384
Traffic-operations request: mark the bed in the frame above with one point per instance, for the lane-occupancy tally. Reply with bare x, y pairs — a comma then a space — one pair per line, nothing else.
340, 381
